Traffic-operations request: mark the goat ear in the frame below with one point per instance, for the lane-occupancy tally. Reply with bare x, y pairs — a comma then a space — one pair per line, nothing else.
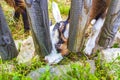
56, 12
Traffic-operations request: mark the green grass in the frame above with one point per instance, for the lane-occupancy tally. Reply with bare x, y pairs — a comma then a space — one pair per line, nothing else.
104, 71
115, 45
63, 7
18, 71
16, 28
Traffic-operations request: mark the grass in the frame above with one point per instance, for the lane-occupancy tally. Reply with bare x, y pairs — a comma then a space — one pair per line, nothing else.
11, 70
17, 28
17, 71
104, 70
64, 9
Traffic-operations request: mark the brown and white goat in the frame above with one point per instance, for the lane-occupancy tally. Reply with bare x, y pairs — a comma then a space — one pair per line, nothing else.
96, 20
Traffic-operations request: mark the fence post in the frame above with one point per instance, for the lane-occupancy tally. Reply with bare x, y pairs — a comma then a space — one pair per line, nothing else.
8, 49
38, 14
111, 25
78, 19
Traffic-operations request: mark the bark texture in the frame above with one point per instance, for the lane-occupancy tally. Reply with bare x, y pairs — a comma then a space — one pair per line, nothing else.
7, 46
38, 12
78, 19
111, 25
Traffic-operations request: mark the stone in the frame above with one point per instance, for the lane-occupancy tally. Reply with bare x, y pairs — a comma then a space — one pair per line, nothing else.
110, 54
58, 70
92, 65
27, 51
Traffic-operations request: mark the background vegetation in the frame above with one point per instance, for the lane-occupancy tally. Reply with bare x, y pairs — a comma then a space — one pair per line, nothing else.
104, 71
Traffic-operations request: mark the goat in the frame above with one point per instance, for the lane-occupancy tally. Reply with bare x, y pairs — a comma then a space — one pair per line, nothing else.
97, 17
20, 8
58, 35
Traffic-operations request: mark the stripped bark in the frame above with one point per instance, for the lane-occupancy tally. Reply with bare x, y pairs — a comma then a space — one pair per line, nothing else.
79, 15
96, 20
38, 12
7, 46
111, 24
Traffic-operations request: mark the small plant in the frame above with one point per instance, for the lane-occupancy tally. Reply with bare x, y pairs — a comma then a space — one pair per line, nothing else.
116, 45
81, 72
107, 71
115, 68
76, 71
46, 75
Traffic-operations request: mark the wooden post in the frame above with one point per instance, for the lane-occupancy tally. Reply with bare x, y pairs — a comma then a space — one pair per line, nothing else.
38, 12
78, 19
111, 24
7, 46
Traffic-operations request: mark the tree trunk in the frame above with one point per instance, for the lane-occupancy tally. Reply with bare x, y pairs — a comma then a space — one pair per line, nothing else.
38, 12
7, 46
111, 24
78, 19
